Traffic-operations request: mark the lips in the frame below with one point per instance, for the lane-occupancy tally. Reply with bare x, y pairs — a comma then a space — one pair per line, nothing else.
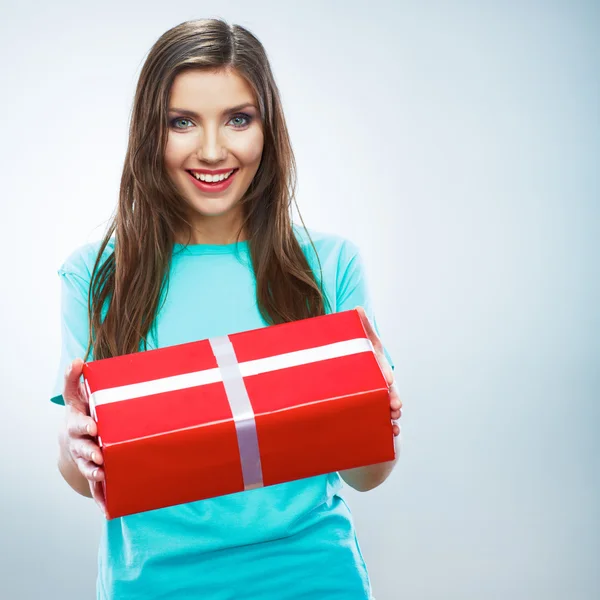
217, 186
220, 172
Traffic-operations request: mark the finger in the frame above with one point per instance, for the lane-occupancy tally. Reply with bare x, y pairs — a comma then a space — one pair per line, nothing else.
384, 365
71, 390
396, 414
377, 346
87, 450
371, 333
91, 471
82, 392
367, 323
395, 402
98, 495
397, 437
387, 371
79, 425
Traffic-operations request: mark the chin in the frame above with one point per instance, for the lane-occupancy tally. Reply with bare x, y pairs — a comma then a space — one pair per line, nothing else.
211, 208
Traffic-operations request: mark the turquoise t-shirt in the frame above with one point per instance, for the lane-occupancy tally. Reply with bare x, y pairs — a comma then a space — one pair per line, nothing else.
289, 541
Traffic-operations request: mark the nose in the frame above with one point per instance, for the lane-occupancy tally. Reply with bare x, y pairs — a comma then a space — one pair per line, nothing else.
210, 146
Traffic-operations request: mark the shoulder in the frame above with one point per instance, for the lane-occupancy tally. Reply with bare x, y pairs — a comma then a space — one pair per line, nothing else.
338, 264
330, 248
81, 261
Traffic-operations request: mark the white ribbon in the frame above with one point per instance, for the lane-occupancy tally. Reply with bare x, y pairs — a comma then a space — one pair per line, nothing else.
173, 383
242, 411
232, 373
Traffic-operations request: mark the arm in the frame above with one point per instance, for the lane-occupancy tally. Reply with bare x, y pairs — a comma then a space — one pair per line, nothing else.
364, 479
78, 454
74, 443
80, 458
69, 469
352, 292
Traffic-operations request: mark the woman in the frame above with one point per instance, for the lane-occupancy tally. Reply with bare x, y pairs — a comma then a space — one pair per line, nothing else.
202, 244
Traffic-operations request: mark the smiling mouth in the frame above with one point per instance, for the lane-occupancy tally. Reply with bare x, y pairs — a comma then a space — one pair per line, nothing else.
217, 181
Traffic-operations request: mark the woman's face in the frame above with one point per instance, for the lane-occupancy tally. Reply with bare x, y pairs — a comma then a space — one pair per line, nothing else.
214, 125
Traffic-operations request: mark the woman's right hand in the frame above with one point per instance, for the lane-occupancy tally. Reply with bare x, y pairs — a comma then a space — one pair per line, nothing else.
80, 433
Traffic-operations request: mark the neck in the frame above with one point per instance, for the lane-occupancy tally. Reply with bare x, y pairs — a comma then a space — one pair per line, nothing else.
210, 232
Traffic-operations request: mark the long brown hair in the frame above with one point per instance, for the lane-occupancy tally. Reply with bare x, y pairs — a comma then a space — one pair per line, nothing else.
130, 282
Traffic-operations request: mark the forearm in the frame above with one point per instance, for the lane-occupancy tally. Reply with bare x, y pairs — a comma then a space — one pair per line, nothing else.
70, 472
364, 479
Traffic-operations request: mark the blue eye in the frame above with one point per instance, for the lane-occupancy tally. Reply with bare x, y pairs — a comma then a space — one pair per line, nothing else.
173, 121
243, 116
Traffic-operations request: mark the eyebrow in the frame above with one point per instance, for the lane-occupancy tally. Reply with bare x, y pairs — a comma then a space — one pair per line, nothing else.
191, 113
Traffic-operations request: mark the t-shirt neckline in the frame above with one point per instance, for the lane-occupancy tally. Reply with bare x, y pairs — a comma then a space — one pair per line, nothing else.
197, 249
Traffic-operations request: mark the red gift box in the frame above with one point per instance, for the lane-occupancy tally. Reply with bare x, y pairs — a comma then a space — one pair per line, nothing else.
237, 412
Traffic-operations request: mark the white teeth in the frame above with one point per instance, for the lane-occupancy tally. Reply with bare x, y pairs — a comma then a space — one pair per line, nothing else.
211, 178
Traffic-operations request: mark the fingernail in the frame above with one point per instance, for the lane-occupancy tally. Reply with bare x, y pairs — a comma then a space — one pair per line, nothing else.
89, 429
95, 473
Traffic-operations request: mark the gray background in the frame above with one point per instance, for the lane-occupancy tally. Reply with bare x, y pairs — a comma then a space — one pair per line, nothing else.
457, 143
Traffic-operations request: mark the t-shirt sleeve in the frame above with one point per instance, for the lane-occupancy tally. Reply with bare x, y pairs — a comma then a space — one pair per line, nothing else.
74, 325
352, 288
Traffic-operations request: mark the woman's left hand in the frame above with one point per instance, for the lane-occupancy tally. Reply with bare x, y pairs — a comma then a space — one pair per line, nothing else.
395, 402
